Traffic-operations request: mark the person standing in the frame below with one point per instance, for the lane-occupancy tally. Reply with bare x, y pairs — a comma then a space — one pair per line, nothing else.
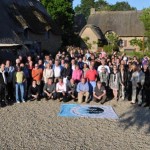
104, 76
9, 69
123, 77
3, 83
140, 86
114, 82
66, 73
80, 63
129, 83
146, 87
26, 73
37, 74
57, 70
19, 79
91, 76
77, 74
47, 73
135, 80
85, 69
103, 64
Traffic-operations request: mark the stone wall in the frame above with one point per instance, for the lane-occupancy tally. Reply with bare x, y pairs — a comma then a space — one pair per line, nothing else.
92, 39
126, 44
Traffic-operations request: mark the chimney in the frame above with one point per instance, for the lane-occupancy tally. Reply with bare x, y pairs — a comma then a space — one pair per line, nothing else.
92, 11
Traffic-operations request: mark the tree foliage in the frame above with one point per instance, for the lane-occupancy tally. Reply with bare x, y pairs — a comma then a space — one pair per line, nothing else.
122, 6
85, 7
61, 11
101, 5
112, 39
45, 2
145, 18
137, 42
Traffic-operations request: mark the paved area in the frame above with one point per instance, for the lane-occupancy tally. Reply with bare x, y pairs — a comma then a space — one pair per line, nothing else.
36, 126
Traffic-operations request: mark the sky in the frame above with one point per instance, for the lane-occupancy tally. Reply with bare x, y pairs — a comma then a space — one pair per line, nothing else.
139, 4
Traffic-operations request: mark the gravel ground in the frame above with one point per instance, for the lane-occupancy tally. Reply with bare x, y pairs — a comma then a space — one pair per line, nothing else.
36, 126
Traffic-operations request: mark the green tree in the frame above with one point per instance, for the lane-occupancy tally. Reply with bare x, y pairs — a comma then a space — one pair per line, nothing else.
137, 42
145, 18
61, 11
45, 2
122, 6
112, 39
102, 5
85, 7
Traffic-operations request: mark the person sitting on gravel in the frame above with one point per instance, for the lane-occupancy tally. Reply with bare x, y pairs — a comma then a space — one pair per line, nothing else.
61, 90
49, 90
99, 93
71, 89
83, 90
34, 91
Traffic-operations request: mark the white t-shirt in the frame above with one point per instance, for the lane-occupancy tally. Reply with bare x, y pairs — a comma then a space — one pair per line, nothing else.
57, 71
60, 88
73, 67
100, 67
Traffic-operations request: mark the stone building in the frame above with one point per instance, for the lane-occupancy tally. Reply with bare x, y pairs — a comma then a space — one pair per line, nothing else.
126, 24
91, 36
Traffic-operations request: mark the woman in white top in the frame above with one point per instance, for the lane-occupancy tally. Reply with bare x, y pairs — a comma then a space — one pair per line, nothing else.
61, 90
48, 72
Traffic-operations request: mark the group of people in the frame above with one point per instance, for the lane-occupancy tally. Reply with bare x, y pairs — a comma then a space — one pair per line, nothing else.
77, 75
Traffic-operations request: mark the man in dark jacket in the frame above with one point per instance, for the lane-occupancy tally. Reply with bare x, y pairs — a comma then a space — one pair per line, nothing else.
66, 73
3, 82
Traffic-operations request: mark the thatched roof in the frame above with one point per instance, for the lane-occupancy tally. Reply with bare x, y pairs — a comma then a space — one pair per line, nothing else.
124, 23
95, 29
17, 15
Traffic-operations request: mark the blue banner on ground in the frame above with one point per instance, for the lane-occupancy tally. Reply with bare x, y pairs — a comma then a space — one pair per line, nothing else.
90, 111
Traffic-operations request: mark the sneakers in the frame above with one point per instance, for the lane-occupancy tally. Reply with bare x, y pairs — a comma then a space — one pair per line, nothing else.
18, 102
23, 101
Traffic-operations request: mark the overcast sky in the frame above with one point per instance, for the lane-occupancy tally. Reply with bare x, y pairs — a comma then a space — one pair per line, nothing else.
139, 4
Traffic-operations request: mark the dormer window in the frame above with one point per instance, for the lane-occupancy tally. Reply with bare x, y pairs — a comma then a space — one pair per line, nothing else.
26, 33
47, 34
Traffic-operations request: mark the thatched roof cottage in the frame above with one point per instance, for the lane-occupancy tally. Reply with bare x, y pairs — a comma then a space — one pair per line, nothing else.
126, 24
26, 22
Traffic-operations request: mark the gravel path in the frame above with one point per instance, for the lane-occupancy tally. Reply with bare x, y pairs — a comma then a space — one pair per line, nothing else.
36, 126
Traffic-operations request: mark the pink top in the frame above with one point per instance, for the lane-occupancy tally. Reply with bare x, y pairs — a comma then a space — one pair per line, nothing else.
77, 74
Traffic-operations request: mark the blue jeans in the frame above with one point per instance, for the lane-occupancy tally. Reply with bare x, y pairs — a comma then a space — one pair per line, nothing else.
19, 86
92, 85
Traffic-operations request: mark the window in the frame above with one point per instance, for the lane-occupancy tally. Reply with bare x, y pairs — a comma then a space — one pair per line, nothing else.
47, 34
26, 34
